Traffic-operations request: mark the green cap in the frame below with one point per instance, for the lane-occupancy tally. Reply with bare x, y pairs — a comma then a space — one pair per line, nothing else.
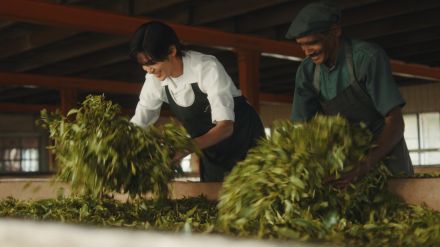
314, 18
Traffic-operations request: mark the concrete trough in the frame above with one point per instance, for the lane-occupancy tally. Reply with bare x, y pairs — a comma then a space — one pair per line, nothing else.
411, 190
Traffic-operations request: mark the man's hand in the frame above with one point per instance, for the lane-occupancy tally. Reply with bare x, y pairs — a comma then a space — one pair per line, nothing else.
350, 177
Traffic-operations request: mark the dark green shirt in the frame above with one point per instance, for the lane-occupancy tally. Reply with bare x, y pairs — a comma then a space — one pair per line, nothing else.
372, 70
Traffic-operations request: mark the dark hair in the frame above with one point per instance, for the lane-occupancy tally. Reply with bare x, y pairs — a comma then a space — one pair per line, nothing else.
154, 40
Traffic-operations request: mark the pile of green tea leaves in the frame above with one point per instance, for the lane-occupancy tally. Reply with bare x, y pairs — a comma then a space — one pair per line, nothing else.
189, 215
99, 151
278, 191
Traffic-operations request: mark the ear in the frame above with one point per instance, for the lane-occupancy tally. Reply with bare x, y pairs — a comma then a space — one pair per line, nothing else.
173, 51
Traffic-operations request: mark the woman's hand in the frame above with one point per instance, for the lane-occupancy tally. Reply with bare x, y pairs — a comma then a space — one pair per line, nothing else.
221, 131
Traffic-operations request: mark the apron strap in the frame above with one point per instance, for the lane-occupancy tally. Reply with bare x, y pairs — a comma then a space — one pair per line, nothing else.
352, 77
363, 95
316, 78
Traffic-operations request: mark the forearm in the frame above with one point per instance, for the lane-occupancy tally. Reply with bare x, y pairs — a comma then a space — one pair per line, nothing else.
391, 134
221, 131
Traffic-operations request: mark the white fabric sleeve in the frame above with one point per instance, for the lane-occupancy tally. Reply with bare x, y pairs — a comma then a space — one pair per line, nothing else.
217, 84
149, 104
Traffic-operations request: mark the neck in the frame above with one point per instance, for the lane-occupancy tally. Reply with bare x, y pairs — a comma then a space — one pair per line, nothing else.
177, 67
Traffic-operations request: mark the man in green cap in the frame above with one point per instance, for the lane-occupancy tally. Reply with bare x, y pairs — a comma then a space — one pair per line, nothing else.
351, 78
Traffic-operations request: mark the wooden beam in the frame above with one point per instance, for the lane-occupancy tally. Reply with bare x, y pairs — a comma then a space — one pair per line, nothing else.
86, 19
409, 38
69, 98
421, 49
384, 10
81, 18
92, 43
400, 24
143, 7
6, 24
33, 40
58, 82
422, 71
249, 76
280, 98
36, 108
77, 65
209, 11
25, 108
283, 13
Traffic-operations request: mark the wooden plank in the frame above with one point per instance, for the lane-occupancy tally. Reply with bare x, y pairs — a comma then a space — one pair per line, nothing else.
143, 7
249, 73
93, 43
400, 24
384, 10
415, 70
279, 98
25, 108
283, 14
408, 38
58, 82
422, 48
33, 40
207, 12
69, 98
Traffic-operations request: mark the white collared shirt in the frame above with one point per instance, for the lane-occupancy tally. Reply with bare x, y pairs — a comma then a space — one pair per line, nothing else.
207, 72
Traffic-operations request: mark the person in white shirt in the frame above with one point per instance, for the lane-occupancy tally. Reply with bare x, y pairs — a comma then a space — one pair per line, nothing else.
200, 94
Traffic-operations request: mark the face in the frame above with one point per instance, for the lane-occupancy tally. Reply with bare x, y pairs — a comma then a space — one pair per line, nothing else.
160, 69
320, 47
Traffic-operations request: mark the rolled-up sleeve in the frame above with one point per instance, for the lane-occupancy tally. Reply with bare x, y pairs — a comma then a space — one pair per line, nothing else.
220, 89
150, 101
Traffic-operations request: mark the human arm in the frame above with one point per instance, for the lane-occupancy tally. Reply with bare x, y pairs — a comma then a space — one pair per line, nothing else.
221, 131
391, 134
374, 70
150, 101
305, 99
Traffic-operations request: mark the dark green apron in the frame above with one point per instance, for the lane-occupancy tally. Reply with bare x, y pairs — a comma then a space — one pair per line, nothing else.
354, 104
219, 159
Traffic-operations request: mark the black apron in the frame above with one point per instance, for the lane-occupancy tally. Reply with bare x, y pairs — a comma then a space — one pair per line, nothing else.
219, 159
355, 104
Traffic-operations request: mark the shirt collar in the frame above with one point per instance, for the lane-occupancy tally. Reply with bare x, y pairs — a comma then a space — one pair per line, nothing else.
340, 57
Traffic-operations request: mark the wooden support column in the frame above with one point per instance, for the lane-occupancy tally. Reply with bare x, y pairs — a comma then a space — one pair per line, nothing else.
69, 98
249, 76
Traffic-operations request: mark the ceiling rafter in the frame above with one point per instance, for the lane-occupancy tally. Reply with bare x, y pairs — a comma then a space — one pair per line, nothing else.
399, 24
33, 40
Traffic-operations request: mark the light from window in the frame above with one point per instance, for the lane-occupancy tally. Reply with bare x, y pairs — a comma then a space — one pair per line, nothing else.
422, 135
186, 163
19, 154
267, 131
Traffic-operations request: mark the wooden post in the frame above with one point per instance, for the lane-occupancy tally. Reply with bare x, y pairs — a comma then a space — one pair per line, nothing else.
68, 99
249, 76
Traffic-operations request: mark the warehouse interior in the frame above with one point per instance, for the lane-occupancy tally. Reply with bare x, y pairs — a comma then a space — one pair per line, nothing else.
53, 53
49, 50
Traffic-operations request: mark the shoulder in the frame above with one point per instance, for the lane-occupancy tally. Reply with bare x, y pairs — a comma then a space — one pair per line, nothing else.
363, 50
201, 61
304, 72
